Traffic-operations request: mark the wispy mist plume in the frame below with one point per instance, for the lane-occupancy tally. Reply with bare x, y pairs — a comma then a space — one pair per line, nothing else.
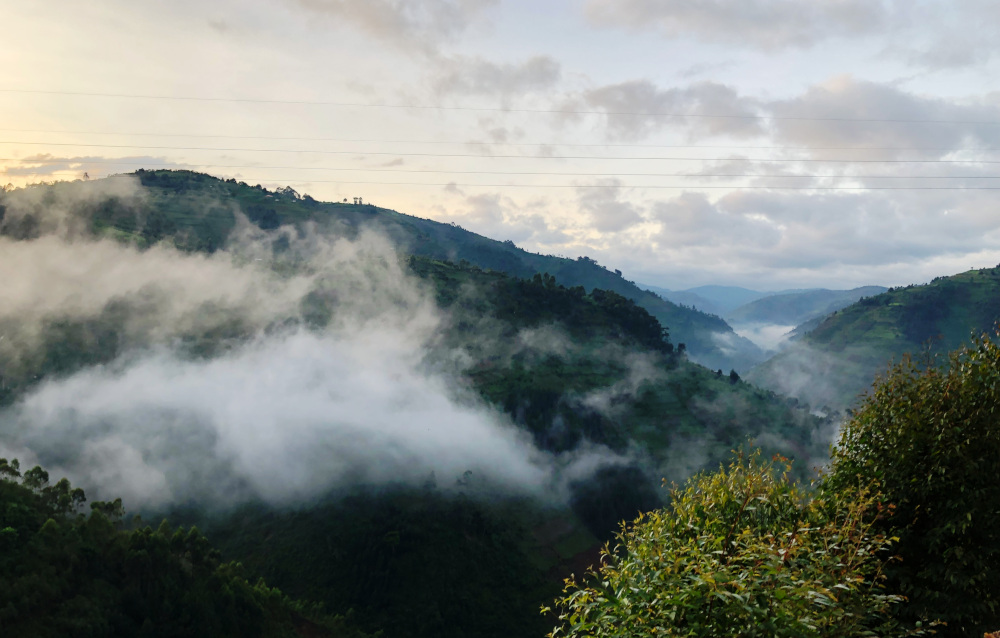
768, 336
641, 368
281, 368
283, 418
50, 209
821, 378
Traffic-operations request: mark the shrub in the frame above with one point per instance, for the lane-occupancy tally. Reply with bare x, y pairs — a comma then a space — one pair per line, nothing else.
742, 552
928, 439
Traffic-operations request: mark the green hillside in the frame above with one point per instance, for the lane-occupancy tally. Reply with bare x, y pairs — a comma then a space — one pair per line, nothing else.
839, 358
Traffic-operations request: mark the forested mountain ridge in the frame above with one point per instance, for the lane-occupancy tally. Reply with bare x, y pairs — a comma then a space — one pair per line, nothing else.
398, 556
715, 300
197, 211
839, 357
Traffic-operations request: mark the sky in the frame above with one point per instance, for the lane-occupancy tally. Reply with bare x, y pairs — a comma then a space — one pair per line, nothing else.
770, 144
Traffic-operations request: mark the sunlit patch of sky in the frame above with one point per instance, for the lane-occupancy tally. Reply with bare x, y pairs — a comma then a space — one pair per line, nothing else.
319, 85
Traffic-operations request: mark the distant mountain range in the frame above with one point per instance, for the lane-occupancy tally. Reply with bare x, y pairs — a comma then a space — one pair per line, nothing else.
836, 358
748, 309
715, 300
795, 308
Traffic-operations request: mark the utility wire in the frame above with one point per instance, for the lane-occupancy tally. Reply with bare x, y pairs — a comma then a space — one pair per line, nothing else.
661, 186
458, 172
733, 116
634, 186
498, 156
517, 144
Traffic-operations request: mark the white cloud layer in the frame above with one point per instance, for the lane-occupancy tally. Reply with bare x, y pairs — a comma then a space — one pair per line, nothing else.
285, 418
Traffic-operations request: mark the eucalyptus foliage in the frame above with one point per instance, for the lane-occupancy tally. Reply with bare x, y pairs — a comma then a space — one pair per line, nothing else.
741, 552
928, 439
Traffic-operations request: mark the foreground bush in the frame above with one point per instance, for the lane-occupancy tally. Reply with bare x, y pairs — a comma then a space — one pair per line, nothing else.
928, 439
743, 552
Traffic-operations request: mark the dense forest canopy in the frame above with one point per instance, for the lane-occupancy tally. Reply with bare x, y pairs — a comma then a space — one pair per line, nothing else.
64, 572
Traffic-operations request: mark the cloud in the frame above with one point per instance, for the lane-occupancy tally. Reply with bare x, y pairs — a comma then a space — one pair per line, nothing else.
53, 210
934, 35
477, 76
761, 24
766, 336
642, 369
284, 418
602, 204
818, 377
903, 120
790, 238
795, 239
692, 219
420, 24
498, 217
810, 231
638, 108
944, 34
44, 166
702, 68
843, 113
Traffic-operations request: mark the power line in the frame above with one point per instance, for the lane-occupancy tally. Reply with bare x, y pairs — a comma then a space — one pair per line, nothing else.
639, 186
500, 156
517, 144
438, 107
659, 186
462, 172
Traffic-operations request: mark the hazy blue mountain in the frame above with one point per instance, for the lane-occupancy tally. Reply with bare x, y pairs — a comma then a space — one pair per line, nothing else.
686, 298
727, 298
794, 308
714, 300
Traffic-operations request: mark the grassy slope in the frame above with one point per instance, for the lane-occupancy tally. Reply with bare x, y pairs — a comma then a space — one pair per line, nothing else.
845, 351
